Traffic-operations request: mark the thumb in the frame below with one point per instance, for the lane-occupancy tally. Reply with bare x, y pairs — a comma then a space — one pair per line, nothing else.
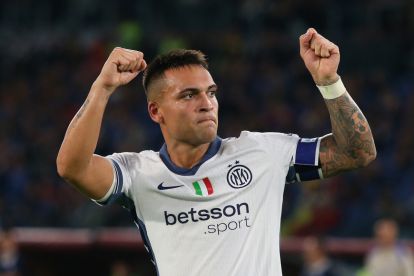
126, 77
305, 40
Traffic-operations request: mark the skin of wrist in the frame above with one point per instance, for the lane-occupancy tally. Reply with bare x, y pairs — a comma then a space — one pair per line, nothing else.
326, 81
100, 94
99, 88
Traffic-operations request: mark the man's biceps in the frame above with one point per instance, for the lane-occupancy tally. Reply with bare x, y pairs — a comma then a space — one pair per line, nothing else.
103, 169
328, 156
333, 160
100, 177
327, 147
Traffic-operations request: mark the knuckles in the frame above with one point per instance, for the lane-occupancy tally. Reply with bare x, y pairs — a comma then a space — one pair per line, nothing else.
127, 53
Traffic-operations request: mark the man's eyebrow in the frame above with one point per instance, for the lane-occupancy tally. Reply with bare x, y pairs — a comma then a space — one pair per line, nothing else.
212, 86
189, 89
197, 90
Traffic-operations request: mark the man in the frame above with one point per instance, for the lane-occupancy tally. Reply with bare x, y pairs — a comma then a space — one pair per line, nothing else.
9, 254
206, 205
389, 257
316, 259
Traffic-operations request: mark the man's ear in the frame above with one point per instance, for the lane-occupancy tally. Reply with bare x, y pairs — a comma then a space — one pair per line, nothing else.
154, 112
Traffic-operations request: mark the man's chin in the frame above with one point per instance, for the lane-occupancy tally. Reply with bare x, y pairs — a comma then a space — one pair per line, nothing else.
207, 136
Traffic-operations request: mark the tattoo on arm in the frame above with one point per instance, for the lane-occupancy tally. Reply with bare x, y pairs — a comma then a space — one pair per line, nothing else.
351, 144
82, 109
77, 116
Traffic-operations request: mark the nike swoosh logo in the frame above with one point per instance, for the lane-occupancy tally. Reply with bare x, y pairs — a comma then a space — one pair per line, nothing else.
162, 187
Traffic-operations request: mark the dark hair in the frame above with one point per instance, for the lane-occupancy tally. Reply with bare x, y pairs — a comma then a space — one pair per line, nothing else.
173, 59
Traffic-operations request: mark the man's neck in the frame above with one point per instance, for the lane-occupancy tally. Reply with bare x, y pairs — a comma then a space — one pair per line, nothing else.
185, 155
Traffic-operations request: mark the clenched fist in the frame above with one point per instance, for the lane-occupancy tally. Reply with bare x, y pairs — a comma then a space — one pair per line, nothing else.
321, 57
122, 66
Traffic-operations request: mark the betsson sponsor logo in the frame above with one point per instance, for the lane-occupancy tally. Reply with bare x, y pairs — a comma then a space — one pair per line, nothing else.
228, 211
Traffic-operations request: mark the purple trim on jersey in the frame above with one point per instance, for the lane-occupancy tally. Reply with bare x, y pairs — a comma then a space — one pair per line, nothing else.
119, 197
119, 178
117, 192
306, 152
212, 150
145, 239
142, 230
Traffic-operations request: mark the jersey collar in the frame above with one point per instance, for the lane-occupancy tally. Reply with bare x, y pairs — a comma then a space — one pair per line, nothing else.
211, 151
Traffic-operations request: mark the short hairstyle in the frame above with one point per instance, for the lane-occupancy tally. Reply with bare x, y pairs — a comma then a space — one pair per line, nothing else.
171, 60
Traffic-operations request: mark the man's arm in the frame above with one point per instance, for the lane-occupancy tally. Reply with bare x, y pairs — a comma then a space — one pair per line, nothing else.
351, 144
76, 161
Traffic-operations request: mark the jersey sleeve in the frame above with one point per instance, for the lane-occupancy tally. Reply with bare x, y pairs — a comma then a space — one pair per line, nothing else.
120, 189
300, 155
280, 146
305, 162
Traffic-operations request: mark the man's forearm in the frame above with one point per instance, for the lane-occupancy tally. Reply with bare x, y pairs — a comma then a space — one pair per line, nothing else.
82, 134
351, 144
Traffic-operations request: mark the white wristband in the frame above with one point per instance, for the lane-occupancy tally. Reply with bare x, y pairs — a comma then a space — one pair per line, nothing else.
332, 91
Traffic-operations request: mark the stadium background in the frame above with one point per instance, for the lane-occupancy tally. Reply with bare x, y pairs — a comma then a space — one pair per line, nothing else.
53, 50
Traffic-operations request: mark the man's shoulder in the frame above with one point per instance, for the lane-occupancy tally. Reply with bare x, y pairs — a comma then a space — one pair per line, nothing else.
128, 157
273, 143
259, 137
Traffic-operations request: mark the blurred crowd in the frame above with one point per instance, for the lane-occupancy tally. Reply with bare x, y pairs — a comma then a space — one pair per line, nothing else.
52, 51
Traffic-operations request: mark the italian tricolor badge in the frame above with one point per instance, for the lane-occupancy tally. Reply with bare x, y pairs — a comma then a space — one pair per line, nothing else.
203, 187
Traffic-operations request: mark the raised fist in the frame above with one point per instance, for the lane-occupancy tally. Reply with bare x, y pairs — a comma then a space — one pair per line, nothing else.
122, 66
321, 57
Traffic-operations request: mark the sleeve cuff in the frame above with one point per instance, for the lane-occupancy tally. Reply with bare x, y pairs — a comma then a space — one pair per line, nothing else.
105, 199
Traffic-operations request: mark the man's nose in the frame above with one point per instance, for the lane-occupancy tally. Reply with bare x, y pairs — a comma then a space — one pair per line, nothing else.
205, 102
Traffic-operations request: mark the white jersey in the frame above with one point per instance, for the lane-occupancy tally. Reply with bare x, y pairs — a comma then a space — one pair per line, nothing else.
222, 217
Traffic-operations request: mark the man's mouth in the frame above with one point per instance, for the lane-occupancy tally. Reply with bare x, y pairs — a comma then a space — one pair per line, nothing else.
207, 119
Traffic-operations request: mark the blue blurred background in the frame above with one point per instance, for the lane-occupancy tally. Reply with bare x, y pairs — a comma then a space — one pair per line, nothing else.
52, 51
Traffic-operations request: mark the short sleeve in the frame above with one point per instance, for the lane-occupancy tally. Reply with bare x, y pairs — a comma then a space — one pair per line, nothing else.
305, 164
280, 146
120, 188
299, 155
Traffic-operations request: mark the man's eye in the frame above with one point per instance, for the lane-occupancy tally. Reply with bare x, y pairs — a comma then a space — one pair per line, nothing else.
188, 95
212, 93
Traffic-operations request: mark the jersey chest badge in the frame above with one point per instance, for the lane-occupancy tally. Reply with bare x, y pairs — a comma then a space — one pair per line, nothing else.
238, 176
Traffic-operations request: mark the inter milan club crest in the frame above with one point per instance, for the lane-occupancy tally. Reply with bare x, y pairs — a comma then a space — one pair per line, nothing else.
239, 176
